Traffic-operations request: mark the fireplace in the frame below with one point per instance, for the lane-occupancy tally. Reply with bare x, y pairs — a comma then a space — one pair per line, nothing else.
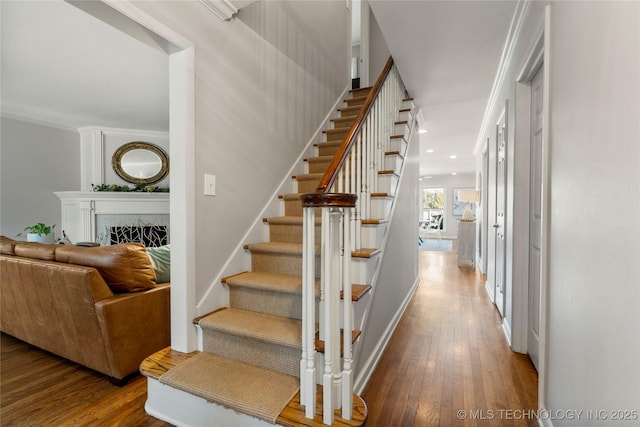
148, 235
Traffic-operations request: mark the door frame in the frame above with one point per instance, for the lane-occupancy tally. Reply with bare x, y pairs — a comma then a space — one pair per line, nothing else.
538, 56
182, 155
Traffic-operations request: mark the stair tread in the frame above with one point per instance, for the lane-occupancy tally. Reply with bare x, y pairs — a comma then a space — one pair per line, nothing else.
365, 253
328, 143
308, 176
319, 159
264, 327
289, 220
276, 247
234, 384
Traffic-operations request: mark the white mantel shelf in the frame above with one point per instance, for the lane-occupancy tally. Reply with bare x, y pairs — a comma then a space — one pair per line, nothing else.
79, 209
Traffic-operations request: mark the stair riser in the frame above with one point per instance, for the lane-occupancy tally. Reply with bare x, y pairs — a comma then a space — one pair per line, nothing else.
344, 122
405, 115
254, 352
269, 302
402, 129
318, 167
280, 263
387, 183
356, 101
289, 233
393, 163
372, 235
380, 207
294, 208
264, 301
362, 269
336, 134
399, 145
324, 150
307, 185
408, 104
349, 111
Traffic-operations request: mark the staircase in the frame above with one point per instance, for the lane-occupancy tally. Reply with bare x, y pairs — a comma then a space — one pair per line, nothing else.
250, 358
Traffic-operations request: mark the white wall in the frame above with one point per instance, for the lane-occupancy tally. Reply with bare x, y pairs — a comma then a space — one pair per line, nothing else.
594, 280
378, 50
448, 182
36, 160
264, 83
593, 320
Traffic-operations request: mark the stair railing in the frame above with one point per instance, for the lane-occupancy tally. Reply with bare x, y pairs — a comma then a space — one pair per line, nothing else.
344, 198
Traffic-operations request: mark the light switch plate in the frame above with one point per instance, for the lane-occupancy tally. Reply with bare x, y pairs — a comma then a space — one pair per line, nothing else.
209, 185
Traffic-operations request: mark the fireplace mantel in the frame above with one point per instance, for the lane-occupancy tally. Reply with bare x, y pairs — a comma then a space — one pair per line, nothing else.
81, 208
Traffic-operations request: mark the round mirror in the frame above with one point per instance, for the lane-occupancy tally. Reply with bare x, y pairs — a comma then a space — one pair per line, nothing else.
140, 163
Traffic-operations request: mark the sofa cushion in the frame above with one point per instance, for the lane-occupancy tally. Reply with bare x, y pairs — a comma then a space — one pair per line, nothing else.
161, 260
125, 267
7, 245
43, 251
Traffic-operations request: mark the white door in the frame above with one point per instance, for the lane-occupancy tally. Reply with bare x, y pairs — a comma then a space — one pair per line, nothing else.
501, 198
535, 217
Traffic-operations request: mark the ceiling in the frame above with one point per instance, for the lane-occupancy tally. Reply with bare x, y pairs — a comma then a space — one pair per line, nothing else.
448, 54
58, 67
62, 66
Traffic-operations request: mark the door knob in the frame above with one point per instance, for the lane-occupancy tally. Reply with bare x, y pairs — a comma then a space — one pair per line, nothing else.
496, 225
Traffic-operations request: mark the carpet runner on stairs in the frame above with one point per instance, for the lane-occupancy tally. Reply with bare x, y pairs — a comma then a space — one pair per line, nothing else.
251, 350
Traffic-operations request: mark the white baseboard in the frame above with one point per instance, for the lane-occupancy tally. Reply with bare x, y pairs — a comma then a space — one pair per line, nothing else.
371, 363
506, 328
492, 297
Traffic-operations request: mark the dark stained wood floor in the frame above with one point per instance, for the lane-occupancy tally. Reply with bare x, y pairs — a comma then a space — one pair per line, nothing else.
448, 354
448, 362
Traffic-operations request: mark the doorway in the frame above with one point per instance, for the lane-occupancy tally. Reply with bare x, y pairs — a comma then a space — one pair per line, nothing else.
501, 209
535, 217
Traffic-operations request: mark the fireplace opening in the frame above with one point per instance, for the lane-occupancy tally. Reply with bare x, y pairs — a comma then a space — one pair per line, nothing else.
148, 235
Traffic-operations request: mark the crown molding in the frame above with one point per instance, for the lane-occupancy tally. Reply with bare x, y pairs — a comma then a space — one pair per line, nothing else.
223, 9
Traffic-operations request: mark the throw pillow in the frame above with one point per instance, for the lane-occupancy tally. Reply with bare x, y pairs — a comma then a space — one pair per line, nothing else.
161, 260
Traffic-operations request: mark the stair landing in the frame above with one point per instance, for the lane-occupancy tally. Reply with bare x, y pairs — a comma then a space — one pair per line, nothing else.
291, 416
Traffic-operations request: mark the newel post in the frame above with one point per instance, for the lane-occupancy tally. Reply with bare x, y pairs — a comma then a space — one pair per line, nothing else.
336, 277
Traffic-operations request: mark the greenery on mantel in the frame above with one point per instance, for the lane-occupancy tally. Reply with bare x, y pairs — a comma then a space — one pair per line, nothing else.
140, 188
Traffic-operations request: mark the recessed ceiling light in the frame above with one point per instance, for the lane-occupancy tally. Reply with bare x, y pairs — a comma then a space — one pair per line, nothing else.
453, 173
430, 150
423, 131
453, 156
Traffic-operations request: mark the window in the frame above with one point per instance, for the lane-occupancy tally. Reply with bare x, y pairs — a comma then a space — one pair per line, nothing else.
433, 207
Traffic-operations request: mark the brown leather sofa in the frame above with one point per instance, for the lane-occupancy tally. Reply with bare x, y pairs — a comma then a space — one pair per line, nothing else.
99, 307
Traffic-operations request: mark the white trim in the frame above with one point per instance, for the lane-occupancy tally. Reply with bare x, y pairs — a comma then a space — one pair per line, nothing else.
489, 289
506, 328
223, 9
369, 366
124, 132
182, 153
521, 12
543, 372
216, 295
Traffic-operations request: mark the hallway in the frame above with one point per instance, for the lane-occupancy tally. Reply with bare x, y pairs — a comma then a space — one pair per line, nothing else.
448, 362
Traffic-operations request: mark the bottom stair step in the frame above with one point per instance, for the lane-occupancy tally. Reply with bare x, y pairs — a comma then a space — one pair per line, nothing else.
245, 388
293, 415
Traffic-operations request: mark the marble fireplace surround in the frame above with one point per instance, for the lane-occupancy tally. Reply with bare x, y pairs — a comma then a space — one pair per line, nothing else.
87, 215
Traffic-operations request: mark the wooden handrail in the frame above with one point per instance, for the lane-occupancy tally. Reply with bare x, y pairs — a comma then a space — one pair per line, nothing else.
341, 154
324, 200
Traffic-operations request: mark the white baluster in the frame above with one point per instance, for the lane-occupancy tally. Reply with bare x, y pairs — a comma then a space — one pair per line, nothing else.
347, 380
308, 367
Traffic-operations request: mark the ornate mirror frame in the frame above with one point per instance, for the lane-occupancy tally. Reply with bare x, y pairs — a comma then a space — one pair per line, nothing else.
118, 155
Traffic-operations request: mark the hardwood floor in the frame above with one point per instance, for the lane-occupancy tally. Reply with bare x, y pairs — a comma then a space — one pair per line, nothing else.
447, 354
40, 389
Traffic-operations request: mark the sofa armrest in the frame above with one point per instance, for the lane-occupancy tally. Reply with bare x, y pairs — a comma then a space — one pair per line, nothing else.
134, 326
